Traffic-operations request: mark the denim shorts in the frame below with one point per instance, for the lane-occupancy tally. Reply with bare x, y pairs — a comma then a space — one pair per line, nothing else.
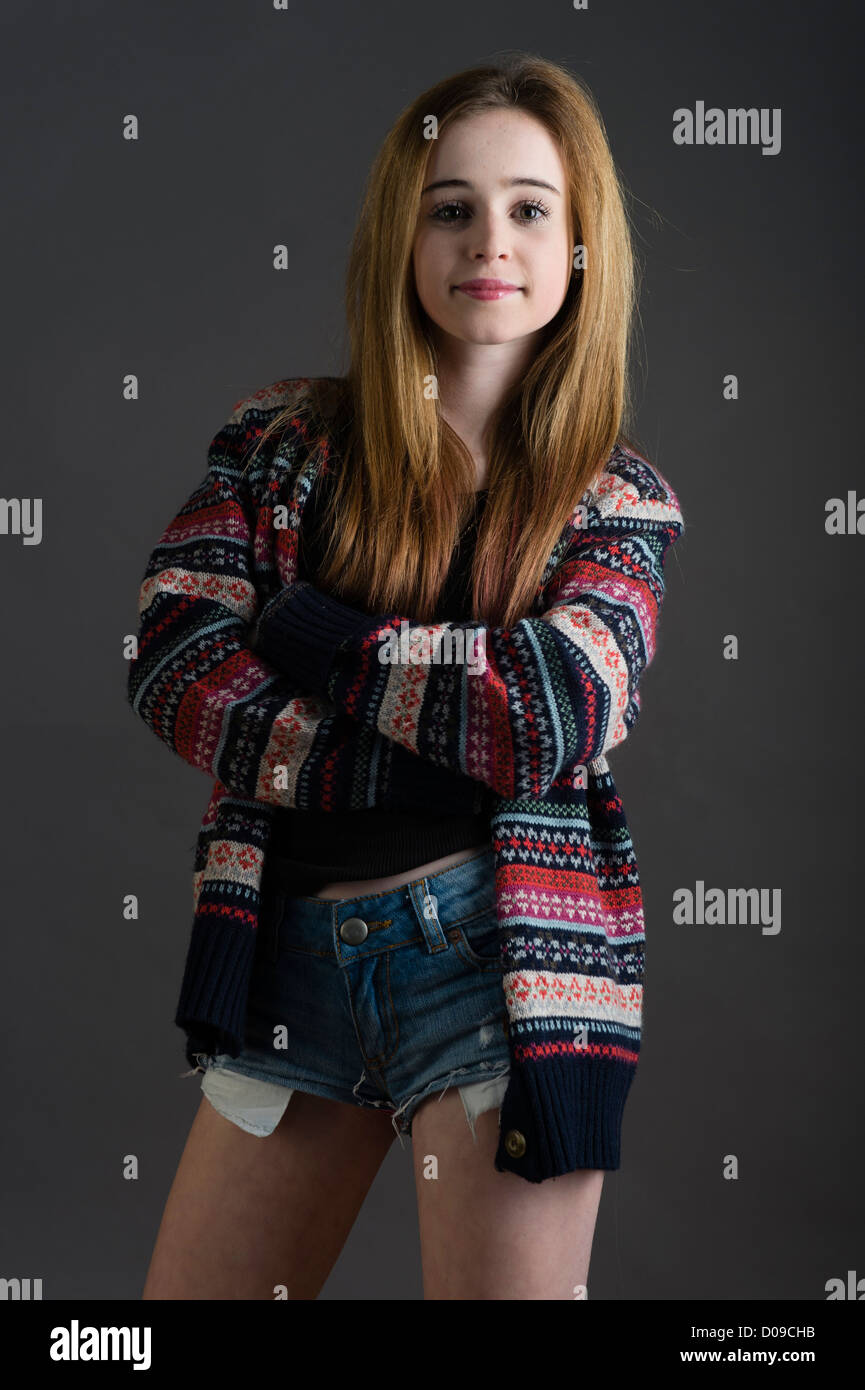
380, 1000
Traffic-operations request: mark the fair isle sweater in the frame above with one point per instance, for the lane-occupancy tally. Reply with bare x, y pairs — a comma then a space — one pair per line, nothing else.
310, 848
275, 690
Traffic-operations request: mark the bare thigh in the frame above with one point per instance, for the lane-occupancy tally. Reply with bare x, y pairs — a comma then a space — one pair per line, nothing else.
246, 1216
491, 1235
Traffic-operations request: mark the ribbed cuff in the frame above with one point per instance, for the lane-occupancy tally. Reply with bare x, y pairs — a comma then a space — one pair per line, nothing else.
215, 988
561, 1113
300, 629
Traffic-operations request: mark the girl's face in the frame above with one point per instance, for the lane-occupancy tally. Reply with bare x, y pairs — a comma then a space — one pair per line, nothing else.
494, 207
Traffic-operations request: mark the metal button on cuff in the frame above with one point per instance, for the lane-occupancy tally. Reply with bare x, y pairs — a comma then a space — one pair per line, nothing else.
515, 1143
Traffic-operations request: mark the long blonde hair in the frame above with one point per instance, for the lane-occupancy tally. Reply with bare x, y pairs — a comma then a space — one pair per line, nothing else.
405, 486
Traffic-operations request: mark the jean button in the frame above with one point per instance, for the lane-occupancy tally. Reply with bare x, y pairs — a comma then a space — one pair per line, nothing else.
353, 931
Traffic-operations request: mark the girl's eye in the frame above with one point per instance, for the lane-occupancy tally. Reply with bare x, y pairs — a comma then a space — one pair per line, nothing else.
534, 205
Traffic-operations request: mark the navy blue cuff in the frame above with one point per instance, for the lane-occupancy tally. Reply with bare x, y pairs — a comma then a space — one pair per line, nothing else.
300, 629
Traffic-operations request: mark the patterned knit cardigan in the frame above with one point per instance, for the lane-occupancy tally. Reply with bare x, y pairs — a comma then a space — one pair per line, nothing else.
276, 690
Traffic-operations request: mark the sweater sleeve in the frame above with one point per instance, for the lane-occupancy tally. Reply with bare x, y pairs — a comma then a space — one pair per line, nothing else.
516, 707
197, 683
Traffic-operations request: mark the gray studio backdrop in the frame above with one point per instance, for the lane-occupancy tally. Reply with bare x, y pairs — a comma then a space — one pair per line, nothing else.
154, 257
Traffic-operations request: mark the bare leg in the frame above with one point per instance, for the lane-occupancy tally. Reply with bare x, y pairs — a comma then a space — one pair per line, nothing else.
491, 1235
246, 1216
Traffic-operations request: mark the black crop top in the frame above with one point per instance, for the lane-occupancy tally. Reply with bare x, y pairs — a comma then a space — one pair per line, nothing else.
311, 848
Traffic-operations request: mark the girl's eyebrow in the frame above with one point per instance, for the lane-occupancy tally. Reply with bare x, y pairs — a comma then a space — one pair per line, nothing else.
503, 183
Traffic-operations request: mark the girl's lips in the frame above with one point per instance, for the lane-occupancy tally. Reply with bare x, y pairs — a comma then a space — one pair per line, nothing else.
476, 291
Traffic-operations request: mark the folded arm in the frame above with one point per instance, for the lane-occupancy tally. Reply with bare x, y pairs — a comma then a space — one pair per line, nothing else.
550, 692
197, 683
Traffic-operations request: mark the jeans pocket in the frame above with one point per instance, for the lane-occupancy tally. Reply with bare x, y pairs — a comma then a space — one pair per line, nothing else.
478, 941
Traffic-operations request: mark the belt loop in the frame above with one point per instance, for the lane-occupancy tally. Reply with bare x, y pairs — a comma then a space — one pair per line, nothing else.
425, 906
273, 911
273, 930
